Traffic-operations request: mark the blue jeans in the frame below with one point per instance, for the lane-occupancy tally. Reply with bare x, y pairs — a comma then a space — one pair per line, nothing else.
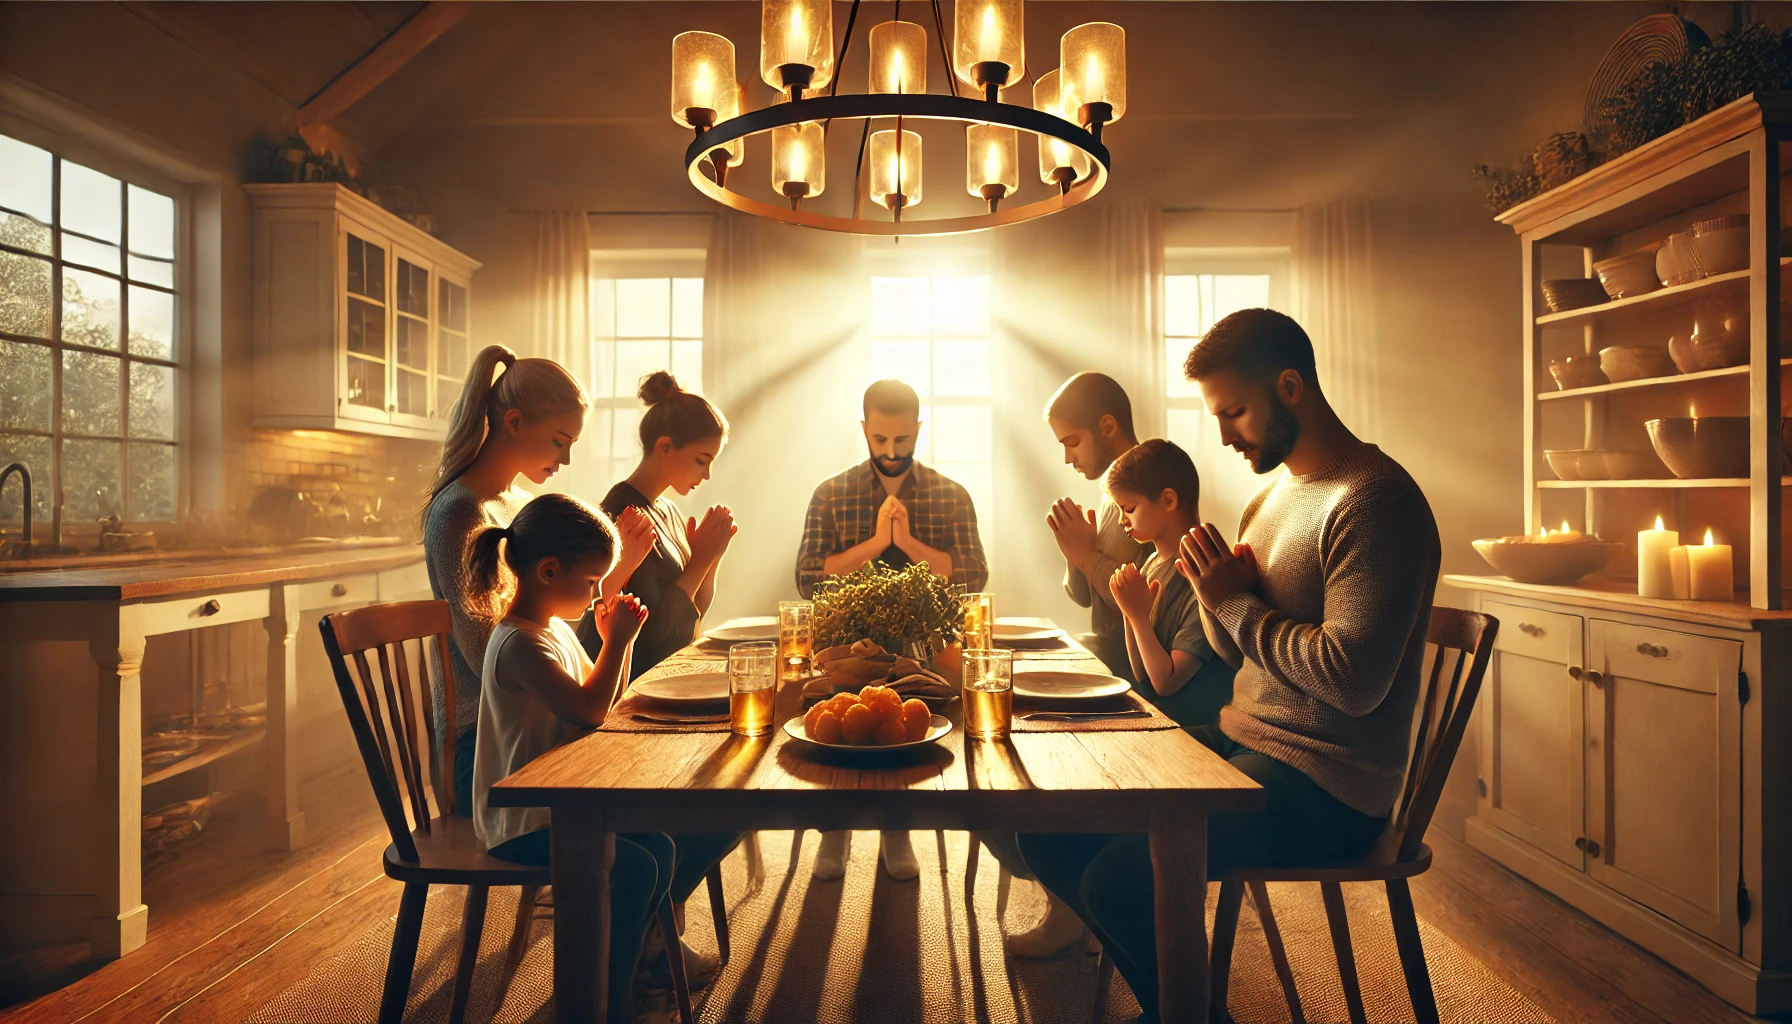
1106, 879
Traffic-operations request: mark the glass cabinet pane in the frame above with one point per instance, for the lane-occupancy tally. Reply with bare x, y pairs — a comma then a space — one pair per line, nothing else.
413, 289
366, 329
412, 343
366, 269
366, 383
452, 310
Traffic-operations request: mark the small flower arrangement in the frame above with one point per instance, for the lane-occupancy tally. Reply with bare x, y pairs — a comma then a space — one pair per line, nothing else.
893, 608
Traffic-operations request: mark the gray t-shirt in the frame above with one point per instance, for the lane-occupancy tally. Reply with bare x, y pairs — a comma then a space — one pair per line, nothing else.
516, 728
453, 517
1176, 616
1113, 548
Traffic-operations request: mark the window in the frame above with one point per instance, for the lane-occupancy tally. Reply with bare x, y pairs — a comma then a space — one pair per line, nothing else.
88, 343
933, 333
1199, 292
639, 325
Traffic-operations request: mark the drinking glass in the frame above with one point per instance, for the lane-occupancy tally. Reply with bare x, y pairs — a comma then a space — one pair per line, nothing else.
988, 692
796, 639
752, 687
978, 627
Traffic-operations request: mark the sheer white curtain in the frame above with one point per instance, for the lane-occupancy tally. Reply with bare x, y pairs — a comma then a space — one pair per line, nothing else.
1334, 271
560, 305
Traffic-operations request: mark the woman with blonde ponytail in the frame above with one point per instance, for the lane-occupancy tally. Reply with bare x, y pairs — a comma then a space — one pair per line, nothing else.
515, 417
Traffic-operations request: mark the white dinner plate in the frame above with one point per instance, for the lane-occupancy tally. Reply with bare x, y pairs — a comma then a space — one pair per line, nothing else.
941, 726
1025, 632
1047, 684
758, 627
696, 688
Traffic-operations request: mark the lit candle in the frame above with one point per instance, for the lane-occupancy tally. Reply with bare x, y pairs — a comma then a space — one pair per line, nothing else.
1711, 575
1677, 563
1562, 536
1654, 566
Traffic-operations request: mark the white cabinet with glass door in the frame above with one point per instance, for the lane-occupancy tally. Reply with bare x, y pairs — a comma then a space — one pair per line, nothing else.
361, 319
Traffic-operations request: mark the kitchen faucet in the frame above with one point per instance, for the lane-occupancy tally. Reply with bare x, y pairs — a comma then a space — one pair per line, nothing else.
25, 485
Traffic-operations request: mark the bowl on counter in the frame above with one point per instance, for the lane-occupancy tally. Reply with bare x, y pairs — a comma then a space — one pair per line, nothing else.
1544, 561
1577, 372
1635, 362
1718, 338
1561, 294
1568, 463
1633, 464
1722, 243
1630, 274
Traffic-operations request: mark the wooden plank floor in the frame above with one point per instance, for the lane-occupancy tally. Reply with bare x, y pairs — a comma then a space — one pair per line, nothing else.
232, 925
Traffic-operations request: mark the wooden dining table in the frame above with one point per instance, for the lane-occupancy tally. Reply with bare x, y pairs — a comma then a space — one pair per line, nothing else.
1160, 782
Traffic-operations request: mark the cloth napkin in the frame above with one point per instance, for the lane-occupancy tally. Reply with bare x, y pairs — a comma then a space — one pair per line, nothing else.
852, 667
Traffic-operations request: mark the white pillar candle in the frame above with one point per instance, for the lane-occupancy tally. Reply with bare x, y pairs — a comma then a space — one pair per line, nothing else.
1710, 572
1654, 572
1682, 582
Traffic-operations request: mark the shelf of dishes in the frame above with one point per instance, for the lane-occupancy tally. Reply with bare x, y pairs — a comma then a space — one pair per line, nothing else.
1650, 485
1685, 451
1712, 254
1697, 376
1712, 335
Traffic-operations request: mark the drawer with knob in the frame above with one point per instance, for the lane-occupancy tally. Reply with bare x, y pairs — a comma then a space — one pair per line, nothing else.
1547, 636
333, 593
194, 611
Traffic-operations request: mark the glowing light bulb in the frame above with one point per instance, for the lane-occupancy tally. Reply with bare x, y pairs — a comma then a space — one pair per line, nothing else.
989, 40
703, 86
796, 40
1708, 539
992, 164
1093, 84
896, 172
799, 162
898, 69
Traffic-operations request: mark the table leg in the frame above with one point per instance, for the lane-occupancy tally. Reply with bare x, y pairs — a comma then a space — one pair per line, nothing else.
1179, 876
583, 852
286, 823
120, 921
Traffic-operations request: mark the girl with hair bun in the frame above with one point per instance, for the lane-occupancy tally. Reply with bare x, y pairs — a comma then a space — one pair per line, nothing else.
515, 417
682, 435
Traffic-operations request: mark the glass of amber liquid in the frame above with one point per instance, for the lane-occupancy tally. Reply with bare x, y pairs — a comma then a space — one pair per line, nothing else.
752, 687
977, 631
796, 639
988, 692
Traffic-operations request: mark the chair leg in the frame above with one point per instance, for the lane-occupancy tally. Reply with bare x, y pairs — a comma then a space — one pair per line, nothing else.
1278, 954
1340, 924
1004, 882
472, 928
971, 860
404, 952
718, 908
519, 937
681, 986
1412, 952
1225, 930
1104, 979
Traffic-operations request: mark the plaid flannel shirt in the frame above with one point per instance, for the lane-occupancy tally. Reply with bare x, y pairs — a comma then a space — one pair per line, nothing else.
843, 514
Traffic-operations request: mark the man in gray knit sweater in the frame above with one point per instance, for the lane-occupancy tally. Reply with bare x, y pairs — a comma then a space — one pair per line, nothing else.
1323, 607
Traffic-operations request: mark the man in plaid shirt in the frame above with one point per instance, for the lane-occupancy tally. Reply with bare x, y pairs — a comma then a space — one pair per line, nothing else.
894, 510
891, 508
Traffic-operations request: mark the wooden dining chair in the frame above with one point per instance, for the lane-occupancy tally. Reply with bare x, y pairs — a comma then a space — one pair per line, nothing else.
1462, 643
394, 725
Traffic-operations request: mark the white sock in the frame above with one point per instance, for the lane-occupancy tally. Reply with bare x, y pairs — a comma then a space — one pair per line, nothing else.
830, 860
1058, 929
899, 856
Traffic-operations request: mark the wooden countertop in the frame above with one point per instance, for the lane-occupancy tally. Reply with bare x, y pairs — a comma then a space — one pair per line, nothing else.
177, 574
1621, 595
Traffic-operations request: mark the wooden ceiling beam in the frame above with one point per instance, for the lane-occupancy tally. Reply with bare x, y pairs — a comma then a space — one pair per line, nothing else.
382, 62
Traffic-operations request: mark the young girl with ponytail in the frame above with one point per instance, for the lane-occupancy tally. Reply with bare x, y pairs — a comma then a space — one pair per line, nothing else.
515, 417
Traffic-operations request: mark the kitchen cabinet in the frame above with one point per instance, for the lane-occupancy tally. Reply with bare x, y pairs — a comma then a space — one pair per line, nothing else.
362, 321
1532, 710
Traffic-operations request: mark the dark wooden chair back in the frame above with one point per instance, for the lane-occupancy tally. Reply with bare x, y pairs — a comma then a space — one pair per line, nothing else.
393, 714
1462, 646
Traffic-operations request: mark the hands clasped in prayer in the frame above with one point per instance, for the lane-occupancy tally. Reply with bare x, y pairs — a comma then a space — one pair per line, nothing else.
1215, 570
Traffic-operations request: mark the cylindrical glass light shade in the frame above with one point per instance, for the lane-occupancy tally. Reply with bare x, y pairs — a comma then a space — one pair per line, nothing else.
992, 167
1054, 154
895, 169
1093, 60
795, 35
898, 58
737, 150
799, 170
988, 42
702, 78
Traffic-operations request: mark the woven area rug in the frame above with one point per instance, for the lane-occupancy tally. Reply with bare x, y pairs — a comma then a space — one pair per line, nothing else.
870, 949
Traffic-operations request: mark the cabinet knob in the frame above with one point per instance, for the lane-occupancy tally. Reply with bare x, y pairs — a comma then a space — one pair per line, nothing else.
1530, 630
1649, 650
1593, 849
1575, 672
339, 590
1580, 843
1594, 677
211, 607
1481, 784
391, 408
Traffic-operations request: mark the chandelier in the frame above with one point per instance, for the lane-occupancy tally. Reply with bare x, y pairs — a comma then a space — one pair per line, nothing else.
1069, 107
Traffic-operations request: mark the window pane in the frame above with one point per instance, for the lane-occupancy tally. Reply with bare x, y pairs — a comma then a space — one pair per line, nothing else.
98, 255
152, 401
961, 367
90, 479
625, 435
603, 307
975, 478
899, 305
152, 481
903, 360
687, 365
644, 307
1175, 354
25, 383
1182, 305
412, 343
961, 433
89, 309
152, 223
447, 393
451, 356
366, 269
23, 232
24, 295
452, 307
1233, 292
366, 383
413, 289
603, 369
152, 323
594, 443
961, 305
25, 180
687, 307
1184, 427
366, 329
413, 393
34, 452
91, 202
635, 360
90, 394
150, 271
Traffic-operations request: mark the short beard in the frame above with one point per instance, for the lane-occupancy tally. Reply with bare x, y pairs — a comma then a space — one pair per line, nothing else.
1279, 437
908, 462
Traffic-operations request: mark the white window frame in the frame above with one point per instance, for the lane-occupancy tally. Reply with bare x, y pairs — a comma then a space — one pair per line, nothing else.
624, 407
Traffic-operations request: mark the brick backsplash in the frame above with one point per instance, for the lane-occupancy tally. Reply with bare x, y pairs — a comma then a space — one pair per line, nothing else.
366, 467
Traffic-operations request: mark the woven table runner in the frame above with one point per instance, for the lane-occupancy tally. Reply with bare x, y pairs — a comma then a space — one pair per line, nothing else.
1123, 702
